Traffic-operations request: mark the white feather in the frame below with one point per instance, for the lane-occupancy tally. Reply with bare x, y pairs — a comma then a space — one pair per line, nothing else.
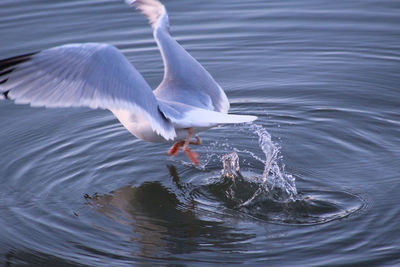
93, 75
185, 79
202, 118
99, 76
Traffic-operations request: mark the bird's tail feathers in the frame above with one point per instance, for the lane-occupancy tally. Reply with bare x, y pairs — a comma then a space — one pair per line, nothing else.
206, 118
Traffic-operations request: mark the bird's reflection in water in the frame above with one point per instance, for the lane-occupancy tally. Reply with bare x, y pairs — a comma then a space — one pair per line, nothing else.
162, 220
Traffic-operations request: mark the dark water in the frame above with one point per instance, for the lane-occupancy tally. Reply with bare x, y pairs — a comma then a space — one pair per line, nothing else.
323, 78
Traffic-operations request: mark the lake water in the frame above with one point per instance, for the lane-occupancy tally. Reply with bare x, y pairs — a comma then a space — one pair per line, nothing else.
319, 175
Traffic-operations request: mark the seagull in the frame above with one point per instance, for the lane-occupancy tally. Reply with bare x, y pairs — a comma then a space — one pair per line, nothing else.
97, 75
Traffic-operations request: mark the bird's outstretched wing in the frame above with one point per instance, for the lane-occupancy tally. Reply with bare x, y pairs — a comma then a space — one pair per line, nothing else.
93, 75
185, 80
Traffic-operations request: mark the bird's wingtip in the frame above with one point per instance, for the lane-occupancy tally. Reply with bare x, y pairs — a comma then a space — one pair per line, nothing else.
130, 2
252, 118
153, 10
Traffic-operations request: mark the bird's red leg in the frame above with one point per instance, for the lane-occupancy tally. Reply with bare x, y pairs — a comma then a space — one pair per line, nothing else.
197, 142
174, 150
193, 156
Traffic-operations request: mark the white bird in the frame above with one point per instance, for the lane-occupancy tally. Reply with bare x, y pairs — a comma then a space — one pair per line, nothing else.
96, 75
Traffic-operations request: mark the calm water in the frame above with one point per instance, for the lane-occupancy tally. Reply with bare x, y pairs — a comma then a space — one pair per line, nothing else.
323, 78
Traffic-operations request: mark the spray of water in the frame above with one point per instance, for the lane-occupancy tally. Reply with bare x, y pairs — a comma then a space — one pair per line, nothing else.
275, 183
273, 196
274, 175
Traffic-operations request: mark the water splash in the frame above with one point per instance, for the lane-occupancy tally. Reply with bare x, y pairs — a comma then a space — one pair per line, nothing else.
231, 165
275, 183
274, 175
273, 196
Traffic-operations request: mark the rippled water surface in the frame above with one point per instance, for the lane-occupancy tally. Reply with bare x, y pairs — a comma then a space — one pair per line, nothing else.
319, 174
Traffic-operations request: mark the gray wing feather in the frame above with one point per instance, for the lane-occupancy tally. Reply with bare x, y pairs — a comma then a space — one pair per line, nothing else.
185, 79
93, 75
